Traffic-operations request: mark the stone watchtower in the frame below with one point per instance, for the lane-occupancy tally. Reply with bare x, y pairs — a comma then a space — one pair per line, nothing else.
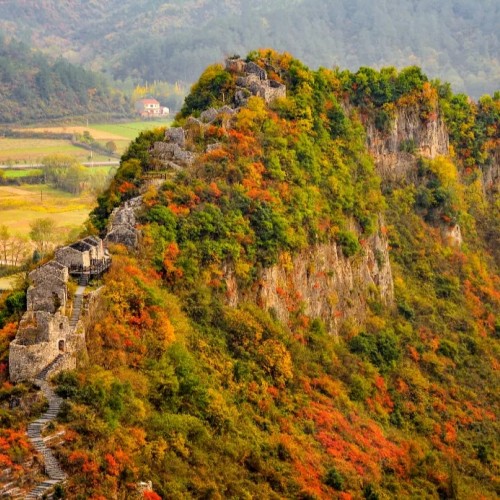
44, 331
47, 341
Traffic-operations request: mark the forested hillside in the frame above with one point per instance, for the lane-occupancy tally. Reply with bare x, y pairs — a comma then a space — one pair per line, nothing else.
313, 310
170, 41
34, 88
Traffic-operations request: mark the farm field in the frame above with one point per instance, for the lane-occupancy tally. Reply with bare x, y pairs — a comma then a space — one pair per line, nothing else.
19, 206
31, 151
17, 173
128, 130
120, 133
8, 282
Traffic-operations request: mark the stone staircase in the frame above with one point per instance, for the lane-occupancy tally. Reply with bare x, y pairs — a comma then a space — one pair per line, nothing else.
78, 302
52, 468
43, 375
84, 279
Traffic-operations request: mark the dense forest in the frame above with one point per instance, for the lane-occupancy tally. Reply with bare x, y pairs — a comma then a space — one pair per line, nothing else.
212, 400
169, 41
34, 88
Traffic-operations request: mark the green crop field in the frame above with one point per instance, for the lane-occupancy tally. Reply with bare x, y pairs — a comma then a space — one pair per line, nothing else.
16, 173
32, 151
19, 173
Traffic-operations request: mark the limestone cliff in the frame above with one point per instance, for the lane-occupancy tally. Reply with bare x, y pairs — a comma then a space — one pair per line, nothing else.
491, 174
322, 281
396, 151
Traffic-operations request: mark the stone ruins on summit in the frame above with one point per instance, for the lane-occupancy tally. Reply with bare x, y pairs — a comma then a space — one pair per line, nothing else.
178, 150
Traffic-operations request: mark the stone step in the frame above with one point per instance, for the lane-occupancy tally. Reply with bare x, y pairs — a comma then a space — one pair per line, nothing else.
51, 465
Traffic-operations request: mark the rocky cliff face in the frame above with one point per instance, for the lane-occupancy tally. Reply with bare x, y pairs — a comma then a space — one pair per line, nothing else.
321, 280
323, 283
396, 151
491, 174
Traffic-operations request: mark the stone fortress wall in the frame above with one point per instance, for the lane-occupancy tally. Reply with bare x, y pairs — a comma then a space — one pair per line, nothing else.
46, 336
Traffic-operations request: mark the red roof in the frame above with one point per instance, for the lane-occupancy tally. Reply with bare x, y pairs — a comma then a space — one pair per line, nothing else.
149, 101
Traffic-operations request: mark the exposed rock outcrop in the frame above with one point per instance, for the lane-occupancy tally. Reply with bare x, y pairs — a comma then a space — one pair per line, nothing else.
396, 151
122, 222
253, 80
452, 235
491, 174
327, 284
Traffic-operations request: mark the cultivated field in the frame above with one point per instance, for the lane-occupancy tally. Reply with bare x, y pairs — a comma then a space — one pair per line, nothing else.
8, 282
128, 130
31, 151
21, 205
17, 173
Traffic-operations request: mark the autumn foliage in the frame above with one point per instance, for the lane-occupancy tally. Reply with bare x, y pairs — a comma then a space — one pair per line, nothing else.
211, 400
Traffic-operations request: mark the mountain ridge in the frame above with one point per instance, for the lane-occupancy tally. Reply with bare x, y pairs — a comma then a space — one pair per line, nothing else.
210, 397
171, 42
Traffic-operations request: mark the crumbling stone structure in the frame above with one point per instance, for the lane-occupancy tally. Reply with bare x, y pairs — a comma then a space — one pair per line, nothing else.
172, 152
41, 338
47, 341
253, 80
86, 255
44, 333
75, 255
176, 150
48, 291
122, 223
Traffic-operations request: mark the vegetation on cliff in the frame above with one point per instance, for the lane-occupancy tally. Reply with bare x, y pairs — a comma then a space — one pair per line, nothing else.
210, 401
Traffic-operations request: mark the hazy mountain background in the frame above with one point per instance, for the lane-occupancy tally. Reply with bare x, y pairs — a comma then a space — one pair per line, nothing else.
34, 88
146, 40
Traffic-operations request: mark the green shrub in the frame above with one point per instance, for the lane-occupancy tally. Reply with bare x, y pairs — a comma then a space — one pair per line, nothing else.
381, 349
334, 479
349, 243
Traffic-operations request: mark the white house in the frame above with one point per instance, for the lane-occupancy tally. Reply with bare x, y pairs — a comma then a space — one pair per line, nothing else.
150, 108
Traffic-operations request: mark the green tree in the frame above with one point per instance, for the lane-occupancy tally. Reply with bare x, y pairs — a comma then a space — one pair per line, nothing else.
42, 233
4, 242
111, 146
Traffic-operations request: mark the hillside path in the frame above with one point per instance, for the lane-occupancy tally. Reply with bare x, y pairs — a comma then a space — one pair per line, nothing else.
52, 468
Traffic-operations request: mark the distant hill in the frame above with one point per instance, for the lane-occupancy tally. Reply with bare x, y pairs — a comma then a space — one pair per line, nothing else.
156, 40
34, 88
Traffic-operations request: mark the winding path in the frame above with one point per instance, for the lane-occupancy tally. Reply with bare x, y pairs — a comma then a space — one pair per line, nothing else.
52, 468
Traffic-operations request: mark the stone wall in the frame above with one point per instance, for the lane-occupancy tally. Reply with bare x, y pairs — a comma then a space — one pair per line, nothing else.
45, 337
253, 79
172, 153
97, 247
71, 257
49, 291
41, 337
